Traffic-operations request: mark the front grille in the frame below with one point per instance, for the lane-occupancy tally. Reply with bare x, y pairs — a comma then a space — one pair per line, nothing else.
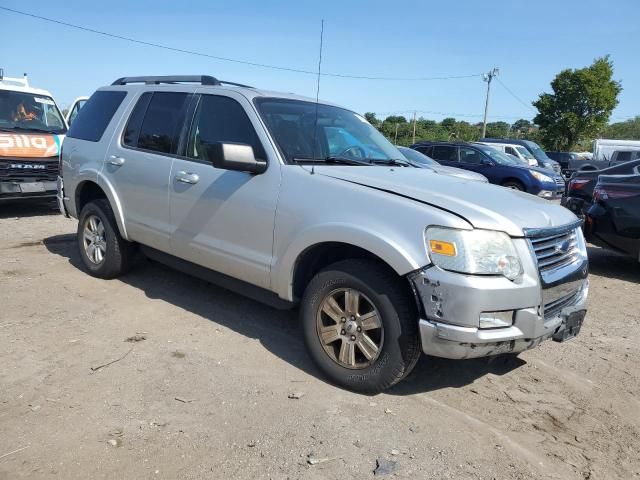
560, 182
28, 169
552, 309
555, 251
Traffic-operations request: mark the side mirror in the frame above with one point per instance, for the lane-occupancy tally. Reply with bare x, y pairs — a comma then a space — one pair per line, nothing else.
236, 156
487, 162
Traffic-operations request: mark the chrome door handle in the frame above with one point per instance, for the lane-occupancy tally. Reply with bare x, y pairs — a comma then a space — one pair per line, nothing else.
115, 160
186, 177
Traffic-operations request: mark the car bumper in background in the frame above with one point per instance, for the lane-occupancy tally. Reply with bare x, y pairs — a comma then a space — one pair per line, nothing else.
27, 189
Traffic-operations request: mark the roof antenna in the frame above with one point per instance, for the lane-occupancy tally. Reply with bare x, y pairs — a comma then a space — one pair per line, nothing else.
315, 126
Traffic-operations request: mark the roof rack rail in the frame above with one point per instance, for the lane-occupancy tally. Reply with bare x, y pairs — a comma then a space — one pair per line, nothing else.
156, 80
224, 82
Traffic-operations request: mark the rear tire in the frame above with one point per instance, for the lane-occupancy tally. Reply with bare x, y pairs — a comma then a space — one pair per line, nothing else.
514, 185
342, 344
104, 253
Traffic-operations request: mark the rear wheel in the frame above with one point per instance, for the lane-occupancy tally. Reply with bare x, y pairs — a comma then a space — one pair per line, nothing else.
104, 253
360, 325
514, 185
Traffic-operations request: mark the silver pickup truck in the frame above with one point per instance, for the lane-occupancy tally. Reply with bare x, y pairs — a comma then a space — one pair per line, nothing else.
295, 202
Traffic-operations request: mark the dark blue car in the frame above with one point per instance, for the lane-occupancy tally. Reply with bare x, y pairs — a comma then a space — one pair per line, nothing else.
499, 168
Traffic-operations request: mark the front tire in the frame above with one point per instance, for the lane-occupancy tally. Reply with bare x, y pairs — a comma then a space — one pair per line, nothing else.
514, 185
360, 325
104, 253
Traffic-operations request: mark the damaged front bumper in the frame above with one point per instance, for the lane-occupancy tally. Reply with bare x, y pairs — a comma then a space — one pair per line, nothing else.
451, 305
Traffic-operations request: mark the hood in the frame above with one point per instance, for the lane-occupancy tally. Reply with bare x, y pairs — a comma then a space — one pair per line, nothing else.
30, 145
460, 173
483, 205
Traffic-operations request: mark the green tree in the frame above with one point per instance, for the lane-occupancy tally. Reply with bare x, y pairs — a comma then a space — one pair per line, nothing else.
448, 123
521, 126
498, 129
627, 130
372, 119
580, 105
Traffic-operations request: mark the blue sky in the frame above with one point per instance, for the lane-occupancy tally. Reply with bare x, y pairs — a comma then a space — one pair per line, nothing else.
530, 41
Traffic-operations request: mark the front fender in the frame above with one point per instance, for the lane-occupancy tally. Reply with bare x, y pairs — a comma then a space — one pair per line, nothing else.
401, 258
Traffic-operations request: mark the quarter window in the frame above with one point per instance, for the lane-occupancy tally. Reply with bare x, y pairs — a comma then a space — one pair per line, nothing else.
94, 117
160, 127
220, 119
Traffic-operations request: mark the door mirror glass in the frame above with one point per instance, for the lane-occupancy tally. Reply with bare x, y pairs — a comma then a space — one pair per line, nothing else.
235, 156
487, 162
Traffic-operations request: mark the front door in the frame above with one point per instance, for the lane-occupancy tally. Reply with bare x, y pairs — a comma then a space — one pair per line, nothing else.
224, 219
139, 163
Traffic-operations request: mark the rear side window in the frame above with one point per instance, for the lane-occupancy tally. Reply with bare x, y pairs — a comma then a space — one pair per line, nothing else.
221, 119
425, 150
156, 121
94, 117
444, 152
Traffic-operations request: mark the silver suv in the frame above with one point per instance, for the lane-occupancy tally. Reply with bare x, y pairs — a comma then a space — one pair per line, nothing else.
295, 202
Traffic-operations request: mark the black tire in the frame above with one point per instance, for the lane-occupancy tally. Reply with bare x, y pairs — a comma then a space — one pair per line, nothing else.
400, 349
514, 185
119, 252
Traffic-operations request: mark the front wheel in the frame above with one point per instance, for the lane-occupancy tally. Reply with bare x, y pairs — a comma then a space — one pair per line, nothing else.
514, 185
360, 325
104, 253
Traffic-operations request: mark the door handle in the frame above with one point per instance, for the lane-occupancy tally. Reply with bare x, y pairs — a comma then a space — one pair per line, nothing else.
115, 160
186, 177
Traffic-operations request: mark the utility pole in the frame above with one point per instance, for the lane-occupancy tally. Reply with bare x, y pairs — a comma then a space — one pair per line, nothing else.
487, 77
414, 127
396, 139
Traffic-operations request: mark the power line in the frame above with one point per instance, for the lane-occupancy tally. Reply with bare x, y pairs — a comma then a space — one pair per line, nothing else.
514, 95
229, 59
449, 114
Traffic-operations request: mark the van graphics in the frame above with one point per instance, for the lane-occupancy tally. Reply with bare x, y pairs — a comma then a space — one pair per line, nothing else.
29, 145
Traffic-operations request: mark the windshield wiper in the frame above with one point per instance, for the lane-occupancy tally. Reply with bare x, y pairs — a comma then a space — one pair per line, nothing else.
33, 129
392, 161
333, 159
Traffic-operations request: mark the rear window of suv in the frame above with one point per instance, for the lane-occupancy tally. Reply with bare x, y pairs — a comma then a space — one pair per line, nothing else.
93, 118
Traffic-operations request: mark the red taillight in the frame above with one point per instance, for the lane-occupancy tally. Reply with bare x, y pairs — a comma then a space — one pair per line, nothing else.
578, 183
610, 192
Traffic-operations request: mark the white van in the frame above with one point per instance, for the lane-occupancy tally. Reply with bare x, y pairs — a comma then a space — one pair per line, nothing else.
604, 148
517, 151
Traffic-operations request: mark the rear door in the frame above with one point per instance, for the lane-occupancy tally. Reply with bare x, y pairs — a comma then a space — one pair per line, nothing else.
224, 219
138, 164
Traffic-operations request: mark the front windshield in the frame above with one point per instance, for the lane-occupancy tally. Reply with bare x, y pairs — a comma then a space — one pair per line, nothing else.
417, 157
538, 153
499, 157
28, 112
525, 153
338, 133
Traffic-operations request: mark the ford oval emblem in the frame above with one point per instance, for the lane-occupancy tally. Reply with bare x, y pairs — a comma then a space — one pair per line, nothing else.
563, 247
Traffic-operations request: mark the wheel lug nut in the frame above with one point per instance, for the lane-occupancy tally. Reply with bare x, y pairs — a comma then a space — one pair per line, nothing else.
342, 320
359, 329
352, 318
342, 332
353, 337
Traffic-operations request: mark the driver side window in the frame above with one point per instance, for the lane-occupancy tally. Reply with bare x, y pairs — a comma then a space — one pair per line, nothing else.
470, 156
221, 119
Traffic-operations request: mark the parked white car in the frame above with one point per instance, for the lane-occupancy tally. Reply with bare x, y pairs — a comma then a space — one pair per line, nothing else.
517, 151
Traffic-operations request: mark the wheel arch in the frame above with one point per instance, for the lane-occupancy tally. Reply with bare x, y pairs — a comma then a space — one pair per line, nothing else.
88, 190
307, 255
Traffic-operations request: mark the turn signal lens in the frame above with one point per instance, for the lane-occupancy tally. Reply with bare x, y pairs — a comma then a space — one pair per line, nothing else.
443, 248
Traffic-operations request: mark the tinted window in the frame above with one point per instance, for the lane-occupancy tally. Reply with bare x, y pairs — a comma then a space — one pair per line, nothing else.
220, 119
470, 156
510, 151
623, 156
95, 115
76, 110
162, 122
444, 152
425, 150
132, 131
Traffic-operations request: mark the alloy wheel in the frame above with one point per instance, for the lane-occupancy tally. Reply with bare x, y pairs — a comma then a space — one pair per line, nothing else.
93, 240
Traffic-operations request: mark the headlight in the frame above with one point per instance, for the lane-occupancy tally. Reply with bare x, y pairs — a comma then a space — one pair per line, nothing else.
481, 252
542, 177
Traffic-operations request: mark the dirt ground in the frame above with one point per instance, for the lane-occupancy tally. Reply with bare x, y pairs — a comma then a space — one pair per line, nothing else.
206, 393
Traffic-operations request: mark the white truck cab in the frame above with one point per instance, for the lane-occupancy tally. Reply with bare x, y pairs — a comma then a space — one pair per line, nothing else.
517, 151
32, 129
